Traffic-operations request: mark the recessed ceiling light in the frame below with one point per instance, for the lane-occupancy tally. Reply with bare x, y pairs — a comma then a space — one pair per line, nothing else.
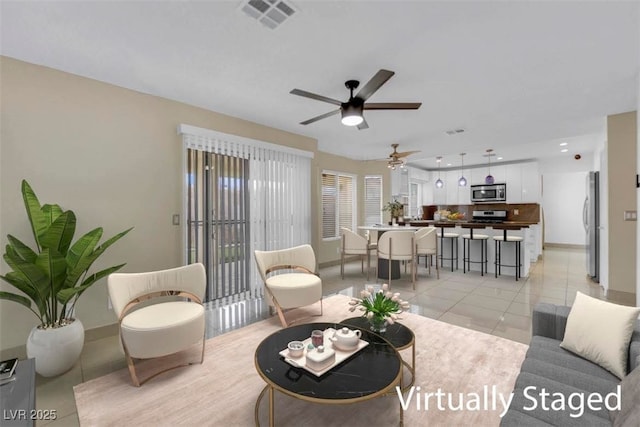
499, 158
448, 164
563, 144
564, 150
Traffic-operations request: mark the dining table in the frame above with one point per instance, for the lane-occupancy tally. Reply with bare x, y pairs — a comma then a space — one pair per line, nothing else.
383, 265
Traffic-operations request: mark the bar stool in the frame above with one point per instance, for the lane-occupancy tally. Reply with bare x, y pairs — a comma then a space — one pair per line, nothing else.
503, 238
466, 253
453, 239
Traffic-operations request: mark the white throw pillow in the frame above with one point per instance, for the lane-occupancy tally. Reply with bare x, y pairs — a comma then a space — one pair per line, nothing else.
600, 331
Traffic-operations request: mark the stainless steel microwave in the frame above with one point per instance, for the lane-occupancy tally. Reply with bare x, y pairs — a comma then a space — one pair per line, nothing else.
489, 193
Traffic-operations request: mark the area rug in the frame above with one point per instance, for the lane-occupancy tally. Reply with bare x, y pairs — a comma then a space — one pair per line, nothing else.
460, 363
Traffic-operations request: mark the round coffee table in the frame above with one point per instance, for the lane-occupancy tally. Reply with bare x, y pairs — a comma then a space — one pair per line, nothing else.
372, 372
398, 335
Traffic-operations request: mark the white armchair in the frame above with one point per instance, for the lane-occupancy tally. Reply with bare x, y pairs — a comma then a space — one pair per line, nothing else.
159, 327
355, 244
398, 246
299, 287
427, 245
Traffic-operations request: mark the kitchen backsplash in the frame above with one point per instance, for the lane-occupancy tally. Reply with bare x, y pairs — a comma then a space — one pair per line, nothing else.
529, 212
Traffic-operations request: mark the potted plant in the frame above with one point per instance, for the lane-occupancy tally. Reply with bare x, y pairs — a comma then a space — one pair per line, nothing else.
395, 208
53, 277
379, 307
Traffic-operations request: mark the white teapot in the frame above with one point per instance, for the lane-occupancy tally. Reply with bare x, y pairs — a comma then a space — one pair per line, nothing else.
345, 338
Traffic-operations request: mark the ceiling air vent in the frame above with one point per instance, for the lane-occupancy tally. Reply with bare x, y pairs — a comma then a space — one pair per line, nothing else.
454, 132
270, 13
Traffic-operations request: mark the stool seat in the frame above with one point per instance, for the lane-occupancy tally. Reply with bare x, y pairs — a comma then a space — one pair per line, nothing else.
475, 236
449, 235
509, 238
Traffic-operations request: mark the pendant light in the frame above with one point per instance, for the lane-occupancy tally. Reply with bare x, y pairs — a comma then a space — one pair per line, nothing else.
439, 182
489, 178
462, 182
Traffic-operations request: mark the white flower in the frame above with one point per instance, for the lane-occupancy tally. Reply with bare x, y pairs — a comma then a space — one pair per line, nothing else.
389, 320
362, 309
370, 315
397, 294
393, 316
385, 286
370, 289
365, 294
396, 299
388, 295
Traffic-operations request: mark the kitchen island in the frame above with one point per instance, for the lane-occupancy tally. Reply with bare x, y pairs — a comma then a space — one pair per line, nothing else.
529, 231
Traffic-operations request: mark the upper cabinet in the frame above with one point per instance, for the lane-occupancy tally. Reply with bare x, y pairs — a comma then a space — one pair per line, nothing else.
514, 183
522, 179
530, 183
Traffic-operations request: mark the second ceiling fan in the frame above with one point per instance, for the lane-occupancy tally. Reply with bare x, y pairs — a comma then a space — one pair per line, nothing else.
352, 110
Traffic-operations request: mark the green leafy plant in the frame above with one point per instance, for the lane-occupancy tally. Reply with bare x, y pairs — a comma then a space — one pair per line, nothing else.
54, 275
395, 208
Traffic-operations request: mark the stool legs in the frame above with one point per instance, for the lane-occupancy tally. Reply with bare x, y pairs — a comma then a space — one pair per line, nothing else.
466, 256
498, 261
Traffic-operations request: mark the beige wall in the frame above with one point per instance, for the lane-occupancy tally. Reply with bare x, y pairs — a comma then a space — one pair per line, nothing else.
114, 157
621, 165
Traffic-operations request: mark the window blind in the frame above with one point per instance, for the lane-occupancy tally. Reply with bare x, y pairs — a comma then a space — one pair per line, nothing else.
372, 199
241, 195
338, 203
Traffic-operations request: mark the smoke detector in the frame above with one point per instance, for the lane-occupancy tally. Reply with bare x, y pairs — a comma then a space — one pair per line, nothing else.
270, 13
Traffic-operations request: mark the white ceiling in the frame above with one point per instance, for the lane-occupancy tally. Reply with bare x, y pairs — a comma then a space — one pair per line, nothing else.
519, 77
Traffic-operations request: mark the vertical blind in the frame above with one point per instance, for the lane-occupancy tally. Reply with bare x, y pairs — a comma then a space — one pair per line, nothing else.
241, 195
338, 198
372, 199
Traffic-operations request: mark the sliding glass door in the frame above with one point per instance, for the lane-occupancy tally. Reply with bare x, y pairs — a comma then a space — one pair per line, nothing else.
218, 227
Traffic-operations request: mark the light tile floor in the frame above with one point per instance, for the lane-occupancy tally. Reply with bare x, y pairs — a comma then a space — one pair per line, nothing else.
499, 306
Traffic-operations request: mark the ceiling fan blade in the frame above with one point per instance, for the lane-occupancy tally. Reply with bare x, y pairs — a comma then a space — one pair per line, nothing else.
320, 117
317, 97
392, 105
374, 84
364, 125
406, 153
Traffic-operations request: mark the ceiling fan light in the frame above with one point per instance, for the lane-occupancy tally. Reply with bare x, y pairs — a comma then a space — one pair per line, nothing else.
351, 115
439, 183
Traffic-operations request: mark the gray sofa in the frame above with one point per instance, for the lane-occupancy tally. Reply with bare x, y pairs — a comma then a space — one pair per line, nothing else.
549, 366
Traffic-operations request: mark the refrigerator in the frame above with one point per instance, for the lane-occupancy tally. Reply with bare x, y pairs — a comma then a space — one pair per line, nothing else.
591, 220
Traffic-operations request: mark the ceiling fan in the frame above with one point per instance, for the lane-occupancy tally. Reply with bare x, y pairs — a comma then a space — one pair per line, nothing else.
352, 109
398, 158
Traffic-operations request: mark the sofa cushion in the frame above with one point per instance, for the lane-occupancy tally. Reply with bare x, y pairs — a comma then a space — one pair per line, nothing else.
629, 413
547, 350
582, 414
569, 376
600, 331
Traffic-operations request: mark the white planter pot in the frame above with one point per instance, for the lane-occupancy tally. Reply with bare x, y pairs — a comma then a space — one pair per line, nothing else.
56, 350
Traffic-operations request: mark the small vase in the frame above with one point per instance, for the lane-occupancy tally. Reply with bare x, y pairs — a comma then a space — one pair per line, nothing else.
377, 324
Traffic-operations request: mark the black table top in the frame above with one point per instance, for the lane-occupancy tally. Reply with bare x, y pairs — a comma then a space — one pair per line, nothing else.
397, 334
371, 372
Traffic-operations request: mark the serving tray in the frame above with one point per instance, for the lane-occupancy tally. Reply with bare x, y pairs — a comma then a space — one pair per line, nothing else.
341, 355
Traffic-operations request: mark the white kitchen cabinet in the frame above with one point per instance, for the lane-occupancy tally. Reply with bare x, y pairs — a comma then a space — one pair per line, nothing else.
477, 176
530, 183
451, 186
514, 183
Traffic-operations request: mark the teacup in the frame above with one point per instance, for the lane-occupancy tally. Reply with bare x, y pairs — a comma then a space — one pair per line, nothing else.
296, 348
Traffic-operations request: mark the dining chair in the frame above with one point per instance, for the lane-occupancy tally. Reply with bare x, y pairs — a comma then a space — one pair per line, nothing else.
355, 244
398, 246
426, 239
